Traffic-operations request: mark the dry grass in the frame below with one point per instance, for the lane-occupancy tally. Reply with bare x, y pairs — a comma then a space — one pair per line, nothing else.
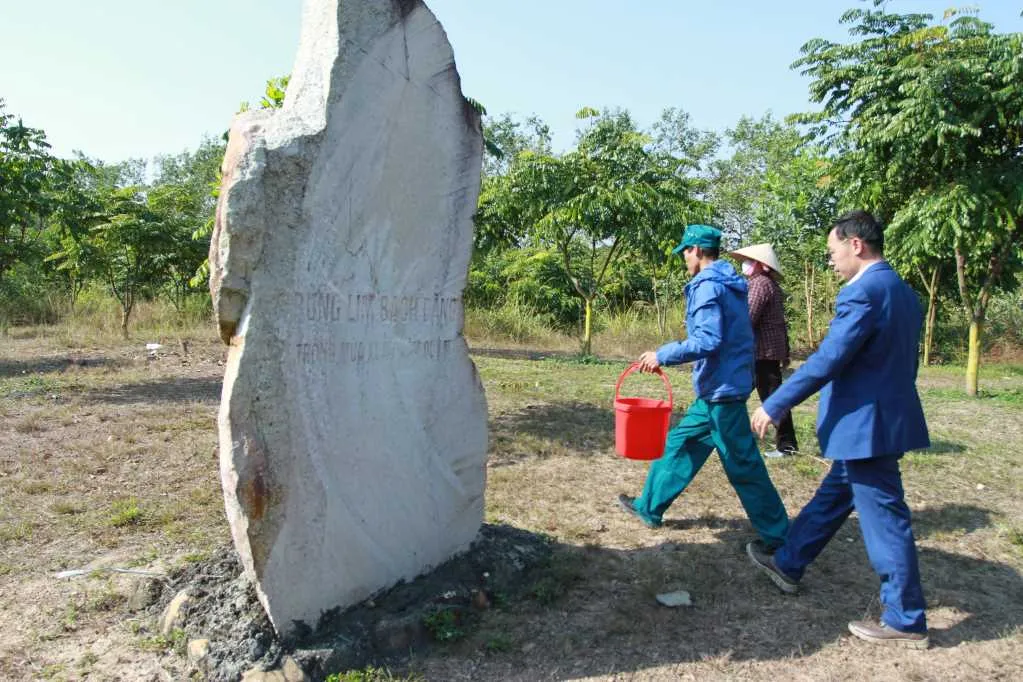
107, 458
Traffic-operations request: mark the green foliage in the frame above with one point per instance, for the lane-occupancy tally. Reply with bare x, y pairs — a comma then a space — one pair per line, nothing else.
140, 239
530, 278
508, 137
931, 139
176, 642
184, 195
28, 296
740, 189
807, 467
273, 98
371, 674
613, 195
132, 248
498, 643
445, 624
26, 175
273, 94
125, 513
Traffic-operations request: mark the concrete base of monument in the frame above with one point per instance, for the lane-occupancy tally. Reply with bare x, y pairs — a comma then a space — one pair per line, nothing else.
503, 563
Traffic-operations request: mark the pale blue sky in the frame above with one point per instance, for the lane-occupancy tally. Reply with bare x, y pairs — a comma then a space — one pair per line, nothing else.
123, 78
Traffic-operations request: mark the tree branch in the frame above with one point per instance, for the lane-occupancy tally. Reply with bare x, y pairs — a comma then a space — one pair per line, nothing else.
607, 261
563, 247
995, 265
964, 292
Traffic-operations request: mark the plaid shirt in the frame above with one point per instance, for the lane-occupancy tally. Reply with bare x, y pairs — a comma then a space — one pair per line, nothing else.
767, 314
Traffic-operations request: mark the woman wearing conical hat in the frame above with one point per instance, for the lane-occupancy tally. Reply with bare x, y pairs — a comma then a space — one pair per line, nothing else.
767, 314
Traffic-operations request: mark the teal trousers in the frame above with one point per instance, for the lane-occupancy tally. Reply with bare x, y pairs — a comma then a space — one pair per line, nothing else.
704, 427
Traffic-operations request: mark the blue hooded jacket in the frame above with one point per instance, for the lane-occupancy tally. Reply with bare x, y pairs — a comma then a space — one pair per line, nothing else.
720, 336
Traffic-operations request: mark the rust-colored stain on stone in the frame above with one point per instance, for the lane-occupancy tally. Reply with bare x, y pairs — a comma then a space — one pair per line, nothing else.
254, 486
259, 496
255, 494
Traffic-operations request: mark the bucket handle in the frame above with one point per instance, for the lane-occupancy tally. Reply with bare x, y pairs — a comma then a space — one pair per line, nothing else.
632, 368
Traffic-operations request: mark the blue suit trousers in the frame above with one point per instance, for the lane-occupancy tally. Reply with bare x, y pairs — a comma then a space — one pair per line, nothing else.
874, 488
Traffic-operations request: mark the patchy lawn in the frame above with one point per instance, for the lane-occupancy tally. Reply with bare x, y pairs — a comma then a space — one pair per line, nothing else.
108, 459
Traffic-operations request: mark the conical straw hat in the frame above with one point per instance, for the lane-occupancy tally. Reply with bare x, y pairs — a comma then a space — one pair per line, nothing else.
762, 253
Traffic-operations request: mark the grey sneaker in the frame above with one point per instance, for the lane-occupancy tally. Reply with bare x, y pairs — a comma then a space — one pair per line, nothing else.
626, 502
882, 633
774, 454
764, 560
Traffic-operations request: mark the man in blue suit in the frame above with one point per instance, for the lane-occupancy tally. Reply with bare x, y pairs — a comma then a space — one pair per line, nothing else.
869, 415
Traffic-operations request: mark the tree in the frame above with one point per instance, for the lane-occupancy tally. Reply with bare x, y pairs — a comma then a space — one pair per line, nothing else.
78, 207
738, 188
927, 121
132, 249
798, 208
920, 261
26, 173
507, 138
273, 98
608, 197
184, 196
776, 188
677, 142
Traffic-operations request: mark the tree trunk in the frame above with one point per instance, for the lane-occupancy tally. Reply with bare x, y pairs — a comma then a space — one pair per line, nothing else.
973, 359
662, 316
126, 307
587, 327
932, 314
808, 295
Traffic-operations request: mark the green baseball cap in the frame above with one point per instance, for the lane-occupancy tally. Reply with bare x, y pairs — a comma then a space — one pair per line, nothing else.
704, 236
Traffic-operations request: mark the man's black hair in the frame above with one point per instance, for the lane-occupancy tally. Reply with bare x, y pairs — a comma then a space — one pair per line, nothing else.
709, 252
862, 225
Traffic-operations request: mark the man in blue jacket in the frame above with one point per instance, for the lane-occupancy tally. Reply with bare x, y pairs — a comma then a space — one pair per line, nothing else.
869, 415
720, 343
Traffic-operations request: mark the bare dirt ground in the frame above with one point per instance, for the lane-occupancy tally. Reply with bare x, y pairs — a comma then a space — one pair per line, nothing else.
108, 461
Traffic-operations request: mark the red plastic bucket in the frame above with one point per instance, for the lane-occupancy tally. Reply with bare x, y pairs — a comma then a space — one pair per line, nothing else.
641, 424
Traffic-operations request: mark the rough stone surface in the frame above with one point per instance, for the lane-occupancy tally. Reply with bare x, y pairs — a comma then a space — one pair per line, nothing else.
352, 423
674, 599
258, 675
197, 650
174, 614
289, 672
143, 594
292, 671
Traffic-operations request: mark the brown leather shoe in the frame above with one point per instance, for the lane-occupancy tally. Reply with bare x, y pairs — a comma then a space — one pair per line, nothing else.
880, 633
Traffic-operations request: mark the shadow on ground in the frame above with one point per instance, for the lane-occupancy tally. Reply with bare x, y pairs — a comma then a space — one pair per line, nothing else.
578, 611
582, 427
49, 365
952, 518
609, 622
944, 447
171, 390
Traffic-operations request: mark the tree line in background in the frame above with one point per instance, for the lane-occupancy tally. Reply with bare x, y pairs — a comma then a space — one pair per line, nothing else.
920, 122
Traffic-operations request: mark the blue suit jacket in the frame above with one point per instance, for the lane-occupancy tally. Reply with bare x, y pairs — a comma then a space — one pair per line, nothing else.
865, 370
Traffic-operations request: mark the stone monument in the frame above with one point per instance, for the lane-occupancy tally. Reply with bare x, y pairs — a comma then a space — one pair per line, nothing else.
352, 423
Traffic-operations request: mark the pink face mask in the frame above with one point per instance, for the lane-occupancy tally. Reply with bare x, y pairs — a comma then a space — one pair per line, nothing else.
748, 267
